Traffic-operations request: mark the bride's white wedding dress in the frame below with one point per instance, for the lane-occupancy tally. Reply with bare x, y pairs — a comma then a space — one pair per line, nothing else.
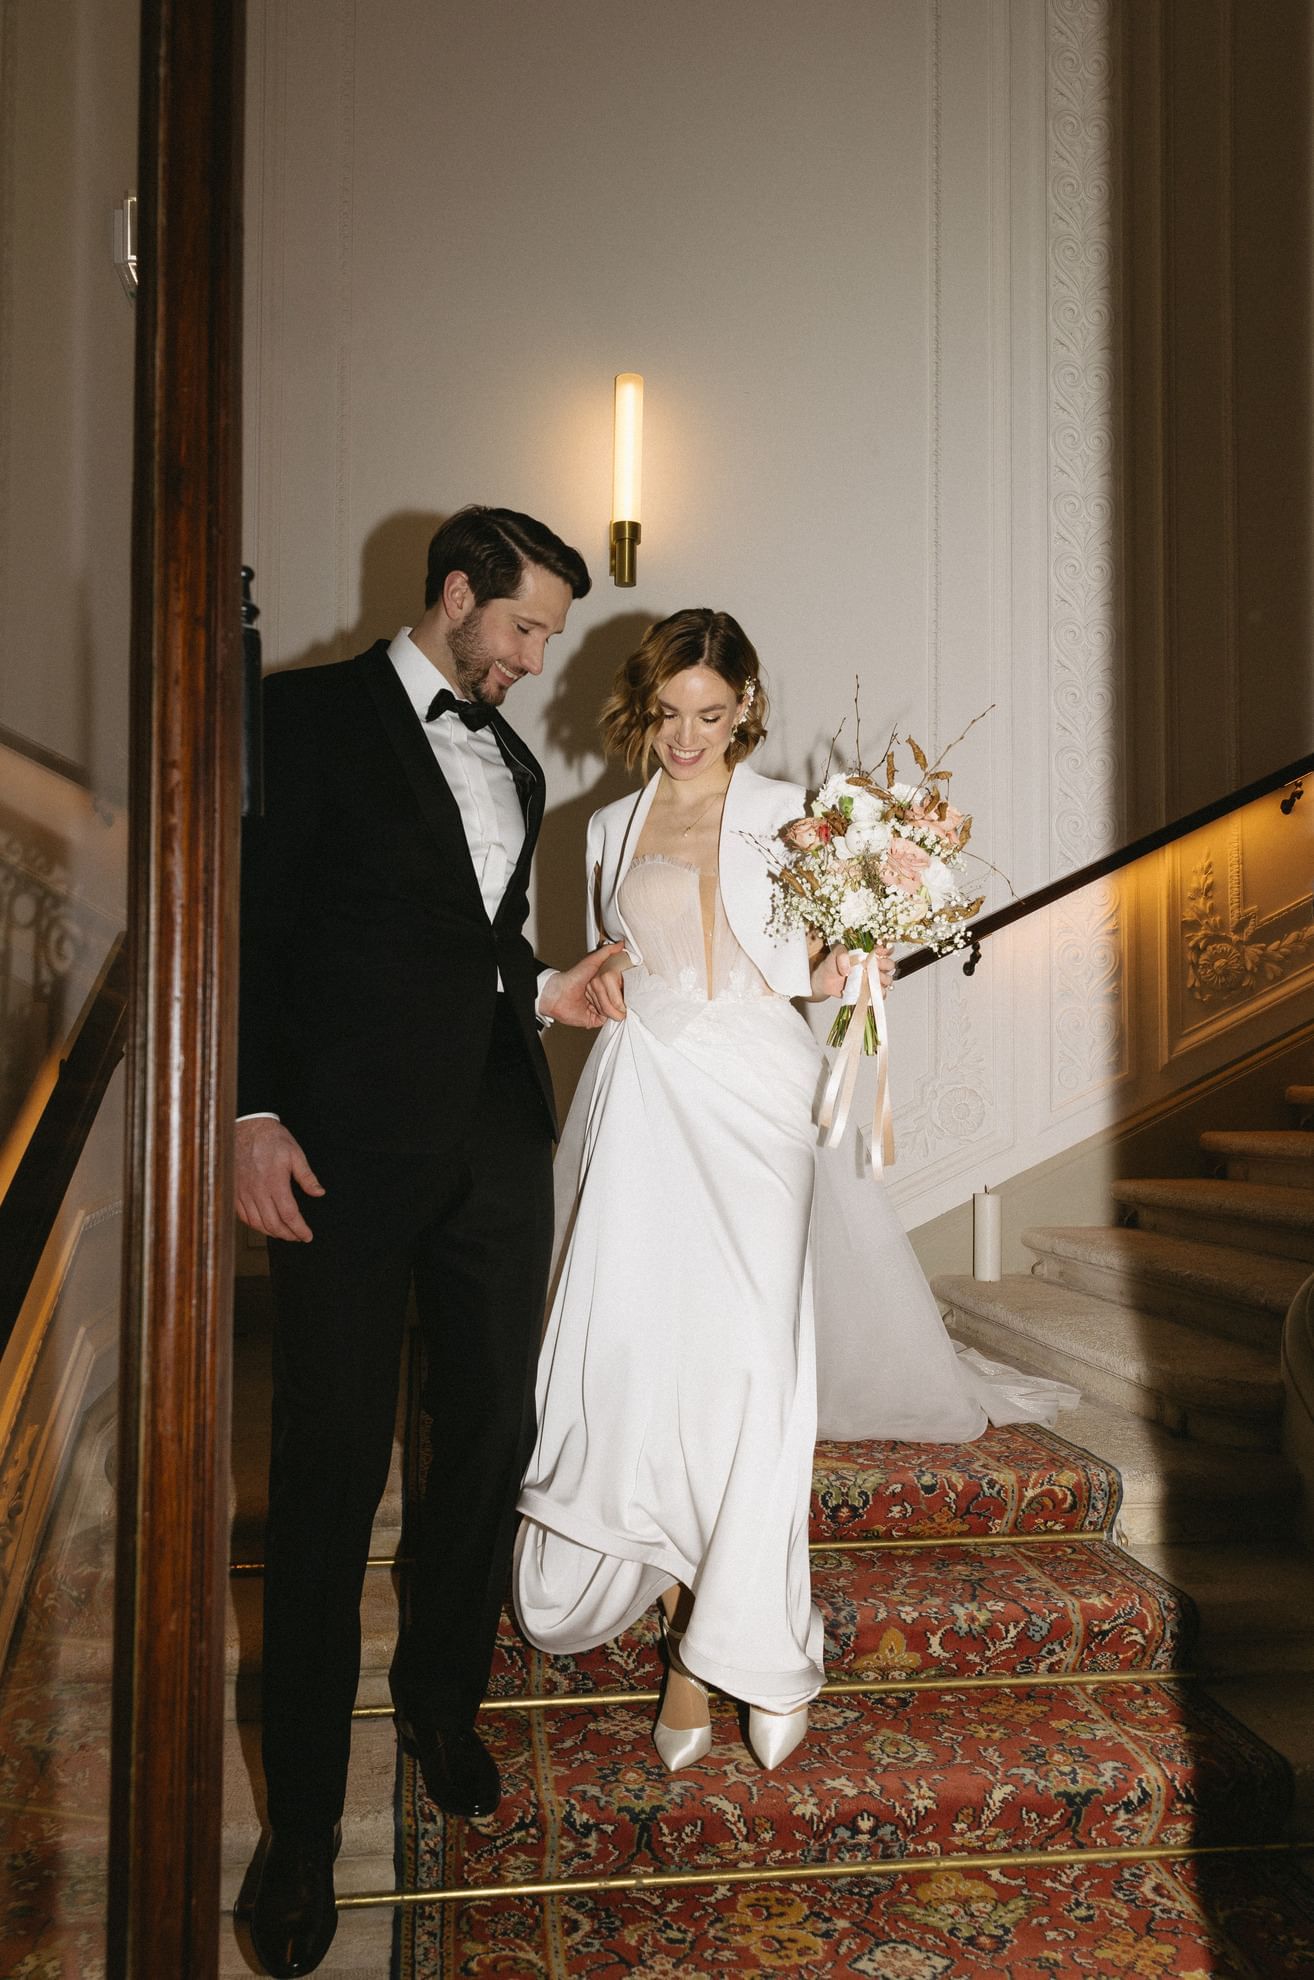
676, 1399
677, 1388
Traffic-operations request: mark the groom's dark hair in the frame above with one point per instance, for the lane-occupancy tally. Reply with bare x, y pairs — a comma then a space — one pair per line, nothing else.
492, 547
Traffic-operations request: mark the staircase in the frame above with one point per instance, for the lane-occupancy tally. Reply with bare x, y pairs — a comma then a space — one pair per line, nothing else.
1043, 1654
1171, 1323
1011, 1719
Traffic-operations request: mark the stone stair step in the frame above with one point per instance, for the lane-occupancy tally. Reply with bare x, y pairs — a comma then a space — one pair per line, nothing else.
1217, 1390
1281, 1157
1279, 1708
1118, 1765
1255, 1602
1177, 1490
1254, 1216
362, 1944
368, 1828
378, 1635
1216, 1288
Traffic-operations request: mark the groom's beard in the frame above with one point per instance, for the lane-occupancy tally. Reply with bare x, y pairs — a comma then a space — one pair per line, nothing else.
472, 661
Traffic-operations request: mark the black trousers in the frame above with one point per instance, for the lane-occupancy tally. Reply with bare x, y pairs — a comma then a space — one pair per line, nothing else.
473, 1235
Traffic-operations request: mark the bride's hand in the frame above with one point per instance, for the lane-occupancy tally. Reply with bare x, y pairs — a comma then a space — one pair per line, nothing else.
606, 993
831, 968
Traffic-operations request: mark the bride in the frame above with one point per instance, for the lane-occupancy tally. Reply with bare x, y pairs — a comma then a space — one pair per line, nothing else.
677, 1403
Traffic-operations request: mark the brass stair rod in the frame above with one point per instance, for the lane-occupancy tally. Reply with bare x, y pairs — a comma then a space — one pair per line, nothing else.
829, 1546
804, 1873
835, 1688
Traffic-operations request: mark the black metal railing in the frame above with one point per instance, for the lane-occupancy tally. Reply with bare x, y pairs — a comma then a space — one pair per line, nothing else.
1291, 780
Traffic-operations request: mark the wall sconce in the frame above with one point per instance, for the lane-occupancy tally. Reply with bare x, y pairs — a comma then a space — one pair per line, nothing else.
626, 475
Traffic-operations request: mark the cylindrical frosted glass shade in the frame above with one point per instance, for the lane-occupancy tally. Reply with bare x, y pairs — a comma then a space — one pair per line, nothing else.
627, 449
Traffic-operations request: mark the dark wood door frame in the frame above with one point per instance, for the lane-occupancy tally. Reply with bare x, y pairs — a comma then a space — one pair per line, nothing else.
166, 1789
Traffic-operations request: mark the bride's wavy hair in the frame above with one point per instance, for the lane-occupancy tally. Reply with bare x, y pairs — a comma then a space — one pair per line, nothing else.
697, 637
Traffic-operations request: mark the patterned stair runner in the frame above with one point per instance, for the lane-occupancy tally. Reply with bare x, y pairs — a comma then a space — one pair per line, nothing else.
1208, 1920
1001, 1734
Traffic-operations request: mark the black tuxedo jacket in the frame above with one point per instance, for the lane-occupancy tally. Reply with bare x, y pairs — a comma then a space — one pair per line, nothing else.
369, 965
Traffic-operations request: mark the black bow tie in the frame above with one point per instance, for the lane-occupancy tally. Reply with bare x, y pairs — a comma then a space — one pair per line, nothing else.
475, 714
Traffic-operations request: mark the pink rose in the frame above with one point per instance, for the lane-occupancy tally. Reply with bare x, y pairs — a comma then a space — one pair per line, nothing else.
925, 814
804, 834
903, 866
949, 827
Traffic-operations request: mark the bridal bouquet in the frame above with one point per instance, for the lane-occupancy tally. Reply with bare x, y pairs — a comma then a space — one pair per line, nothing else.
876, 861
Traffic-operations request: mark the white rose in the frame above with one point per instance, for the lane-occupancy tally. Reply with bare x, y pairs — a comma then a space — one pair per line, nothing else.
904, 793
872, 837
866, 808
858, 906
828, 797
940, 884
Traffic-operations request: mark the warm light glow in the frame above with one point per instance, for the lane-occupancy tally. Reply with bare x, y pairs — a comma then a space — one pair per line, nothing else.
627, 449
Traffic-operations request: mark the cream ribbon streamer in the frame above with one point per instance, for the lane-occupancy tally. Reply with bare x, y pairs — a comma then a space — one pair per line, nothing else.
862, 990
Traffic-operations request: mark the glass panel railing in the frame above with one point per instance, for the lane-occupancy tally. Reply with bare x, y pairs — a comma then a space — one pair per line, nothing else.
67, 334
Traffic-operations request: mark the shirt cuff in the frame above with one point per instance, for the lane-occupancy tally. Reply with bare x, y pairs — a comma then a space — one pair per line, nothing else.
259, 1117
546, 976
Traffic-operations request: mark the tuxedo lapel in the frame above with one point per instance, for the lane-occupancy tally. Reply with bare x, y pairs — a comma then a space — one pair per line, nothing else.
531, 790
429, 787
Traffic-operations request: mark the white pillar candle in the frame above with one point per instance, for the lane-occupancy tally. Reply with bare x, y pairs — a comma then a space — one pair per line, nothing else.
987, 1235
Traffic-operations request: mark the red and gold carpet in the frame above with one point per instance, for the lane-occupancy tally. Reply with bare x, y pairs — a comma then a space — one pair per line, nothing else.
1020, 1701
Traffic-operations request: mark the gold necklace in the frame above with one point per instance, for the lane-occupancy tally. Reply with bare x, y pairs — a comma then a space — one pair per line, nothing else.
699, 816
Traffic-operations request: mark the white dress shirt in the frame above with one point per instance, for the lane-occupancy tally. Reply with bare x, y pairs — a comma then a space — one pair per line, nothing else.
476, 774
478, 778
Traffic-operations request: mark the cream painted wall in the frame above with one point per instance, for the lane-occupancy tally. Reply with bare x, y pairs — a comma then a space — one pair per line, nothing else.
871, 258
68, 142
68, 119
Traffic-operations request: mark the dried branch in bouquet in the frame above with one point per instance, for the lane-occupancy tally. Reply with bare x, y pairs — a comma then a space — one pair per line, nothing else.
873, 864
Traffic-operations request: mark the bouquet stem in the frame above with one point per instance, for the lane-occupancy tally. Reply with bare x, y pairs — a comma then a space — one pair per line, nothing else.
839, 1030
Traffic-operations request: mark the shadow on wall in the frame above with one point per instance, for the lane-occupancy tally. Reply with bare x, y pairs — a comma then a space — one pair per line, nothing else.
571, 726
393, 561
392, 571
1214, 426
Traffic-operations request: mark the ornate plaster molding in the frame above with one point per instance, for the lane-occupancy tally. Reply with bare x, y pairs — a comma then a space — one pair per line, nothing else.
1085, 601
1228, 957
1087, 994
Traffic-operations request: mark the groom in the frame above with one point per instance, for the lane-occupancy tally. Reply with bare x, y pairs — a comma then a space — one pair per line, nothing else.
396, 1136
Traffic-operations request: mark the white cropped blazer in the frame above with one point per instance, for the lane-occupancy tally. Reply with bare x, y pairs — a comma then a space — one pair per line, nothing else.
755, 809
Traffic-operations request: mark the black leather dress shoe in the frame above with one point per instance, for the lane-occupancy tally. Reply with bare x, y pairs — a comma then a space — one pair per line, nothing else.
294, 1916
459, 1772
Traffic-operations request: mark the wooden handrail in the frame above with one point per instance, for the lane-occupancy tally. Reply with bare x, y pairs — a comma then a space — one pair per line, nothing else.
40, 1182
1098, 869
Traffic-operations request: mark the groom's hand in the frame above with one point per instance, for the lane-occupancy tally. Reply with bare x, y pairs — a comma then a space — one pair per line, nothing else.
566, 996
268, 1161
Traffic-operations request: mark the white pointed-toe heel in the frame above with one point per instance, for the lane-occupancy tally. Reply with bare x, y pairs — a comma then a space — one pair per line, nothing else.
680, 1746
774, 1735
